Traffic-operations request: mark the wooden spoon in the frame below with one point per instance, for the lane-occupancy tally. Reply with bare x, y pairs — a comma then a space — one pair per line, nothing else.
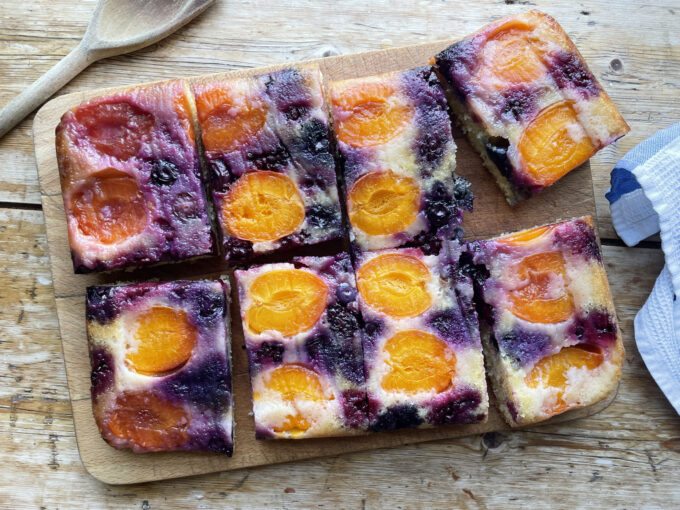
116, 27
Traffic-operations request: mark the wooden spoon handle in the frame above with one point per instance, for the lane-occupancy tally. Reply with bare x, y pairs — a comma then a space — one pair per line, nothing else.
38, 92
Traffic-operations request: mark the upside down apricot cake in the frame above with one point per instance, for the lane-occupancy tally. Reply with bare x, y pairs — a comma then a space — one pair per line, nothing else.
131, 179
161, 375
527, 102
548, 322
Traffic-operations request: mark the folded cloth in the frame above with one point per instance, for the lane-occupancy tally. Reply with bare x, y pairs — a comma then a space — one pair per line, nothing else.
644, 199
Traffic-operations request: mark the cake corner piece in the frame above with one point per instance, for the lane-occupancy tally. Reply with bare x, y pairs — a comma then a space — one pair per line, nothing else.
527, 102
548, 323
162, 392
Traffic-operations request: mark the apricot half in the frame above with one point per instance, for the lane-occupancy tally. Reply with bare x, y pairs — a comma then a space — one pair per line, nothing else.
109, 207
163, 340
554, 143
289, 301
372, 114
527, 236
552, 370
542, 299
140, 417
228, 119
419, 362
116, 129
295, 382
382, 203
395, 284
263, 206
512, 57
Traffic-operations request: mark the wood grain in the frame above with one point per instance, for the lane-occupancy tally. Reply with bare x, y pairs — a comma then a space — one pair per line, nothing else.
571, 197
625, 457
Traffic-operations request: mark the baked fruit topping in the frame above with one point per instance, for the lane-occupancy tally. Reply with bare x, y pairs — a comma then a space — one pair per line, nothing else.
383, 203
109, 207
419, 362
553, 143
162, 341
289, 301
395, 284
263, 206
153, 424
373, 114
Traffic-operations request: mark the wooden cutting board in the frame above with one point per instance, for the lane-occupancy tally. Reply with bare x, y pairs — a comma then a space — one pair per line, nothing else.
570, 197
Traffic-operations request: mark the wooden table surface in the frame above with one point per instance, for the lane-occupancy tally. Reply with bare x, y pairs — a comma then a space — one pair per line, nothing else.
625, 457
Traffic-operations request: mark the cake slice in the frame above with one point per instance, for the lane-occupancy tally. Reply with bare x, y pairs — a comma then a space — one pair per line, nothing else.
394, 138
547, 318
161, 375
301, 326
131, 179
267, 148
423, 357
527, 102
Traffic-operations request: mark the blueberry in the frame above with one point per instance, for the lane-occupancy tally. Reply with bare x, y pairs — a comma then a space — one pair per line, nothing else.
277, 158
102, 371
101, 305
449, 324
311, 149
428, 242
345, 293
238, 249
220, 173
462, 408
295, 112
185, 207
211, 306
462, 192
373, 329
164, 173
400, 416
567, 69
524, 346
268, 352
497, 151
323, 217
204, 385
519, 102
579, 238
597, 327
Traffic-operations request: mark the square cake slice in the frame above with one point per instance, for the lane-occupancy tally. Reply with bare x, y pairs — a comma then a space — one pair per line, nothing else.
161, 365
527, 102
547, 318
301, 325
268, 152
423, 359
131, 179
394, 138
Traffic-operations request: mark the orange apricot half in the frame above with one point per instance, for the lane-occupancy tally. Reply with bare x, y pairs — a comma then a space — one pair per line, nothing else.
512, 57
552, 370
382, 203
527, 236
228, 119
163, 340
116, 129
540, 299
140, 417
419, 362
373, 114
395, 284
109, 207
289, 301
554, 143
263, 206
